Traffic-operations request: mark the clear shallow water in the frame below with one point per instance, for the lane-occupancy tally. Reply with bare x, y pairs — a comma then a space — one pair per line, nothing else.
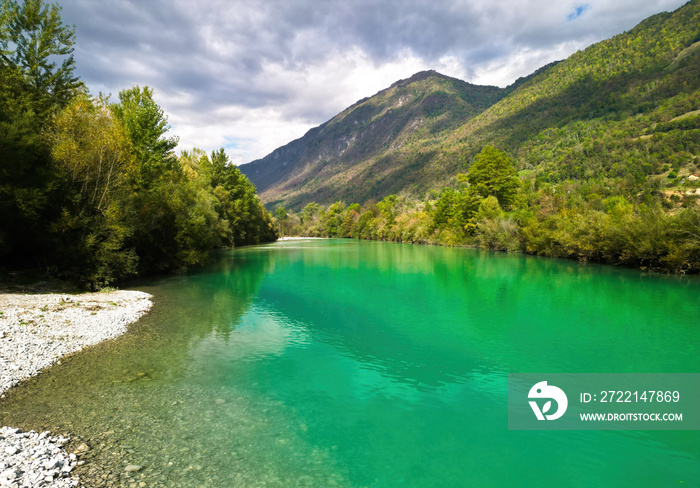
346, 363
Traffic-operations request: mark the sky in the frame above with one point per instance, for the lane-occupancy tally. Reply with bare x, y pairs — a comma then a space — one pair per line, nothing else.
253, 75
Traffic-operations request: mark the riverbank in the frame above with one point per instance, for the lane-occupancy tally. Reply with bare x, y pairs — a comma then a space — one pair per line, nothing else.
35, 332
300, 238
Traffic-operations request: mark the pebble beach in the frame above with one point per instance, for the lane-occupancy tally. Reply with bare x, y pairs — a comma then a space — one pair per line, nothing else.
35, 332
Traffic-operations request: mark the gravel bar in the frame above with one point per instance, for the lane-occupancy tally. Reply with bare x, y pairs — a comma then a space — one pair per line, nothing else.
35, 332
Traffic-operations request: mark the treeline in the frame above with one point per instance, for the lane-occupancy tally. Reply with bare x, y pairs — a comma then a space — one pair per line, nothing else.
91, 189
492, 208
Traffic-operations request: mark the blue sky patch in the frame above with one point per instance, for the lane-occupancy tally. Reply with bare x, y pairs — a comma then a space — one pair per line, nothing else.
580, 9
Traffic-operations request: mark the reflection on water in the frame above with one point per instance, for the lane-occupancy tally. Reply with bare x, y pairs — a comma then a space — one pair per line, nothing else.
345, 363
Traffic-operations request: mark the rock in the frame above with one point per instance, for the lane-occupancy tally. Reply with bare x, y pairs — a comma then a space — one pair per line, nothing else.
82, 448
132, 468
305, 480
32, 459
11, 450
52, 463
10, 474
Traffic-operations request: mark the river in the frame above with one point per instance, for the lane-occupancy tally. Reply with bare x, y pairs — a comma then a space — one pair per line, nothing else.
369, 364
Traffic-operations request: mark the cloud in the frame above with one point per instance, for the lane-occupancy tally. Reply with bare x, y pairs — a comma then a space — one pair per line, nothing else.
252, 76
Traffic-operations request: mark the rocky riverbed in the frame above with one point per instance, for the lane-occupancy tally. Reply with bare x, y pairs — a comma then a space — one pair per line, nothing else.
35, 332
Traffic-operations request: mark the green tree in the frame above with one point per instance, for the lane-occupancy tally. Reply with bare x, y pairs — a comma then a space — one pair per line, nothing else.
217, 169
443, 209
34, 41
92, 159
239, 205
309, 213
281, 214
333, 220
494, 230
32, 86
92, 150
352, 215
281, 217
366, 227
493, 173
386, 207
146, 124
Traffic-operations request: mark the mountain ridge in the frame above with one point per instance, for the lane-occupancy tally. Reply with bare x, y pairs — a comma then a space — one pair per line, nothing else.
367, 126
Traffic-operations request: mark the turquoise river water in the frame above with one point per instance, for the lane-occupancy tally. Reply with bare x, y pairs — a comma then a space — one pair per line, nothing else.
366, 364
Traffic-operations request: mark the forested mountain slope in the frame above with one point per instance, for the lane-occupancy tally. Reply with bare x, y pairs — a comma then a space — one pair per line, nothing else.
329, 160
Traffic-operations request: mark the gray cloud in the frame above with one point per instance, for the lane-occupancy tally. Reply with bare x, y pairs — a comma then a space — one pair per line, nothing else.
257, 71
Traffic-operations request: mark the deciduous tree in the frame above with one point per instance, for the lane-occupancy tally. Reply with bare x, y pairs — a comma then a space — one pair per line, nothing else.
146, 124
493, 173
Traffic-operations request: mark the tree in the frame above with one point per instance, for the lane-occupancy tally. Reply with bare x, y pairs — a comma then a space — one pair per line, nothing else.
92, 159
386, 207
91, 148
352, 215
219, 163
34, 41
309, 213
493, 173
443, 212
146, 124
32, 86
281, 214
333, 220
495, 230
281, 217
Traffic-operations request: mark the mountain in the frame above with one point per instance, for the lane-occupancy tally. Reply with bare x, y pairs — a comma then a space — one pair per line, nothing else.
328, 160
623, 108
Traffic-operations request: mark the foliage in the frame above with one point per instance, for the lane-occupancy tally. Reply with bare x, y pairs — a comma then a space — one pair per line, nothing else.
146, 125
32, 87
34, 39
493, 174
575, 220
92, 191
91, 155
92, 149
